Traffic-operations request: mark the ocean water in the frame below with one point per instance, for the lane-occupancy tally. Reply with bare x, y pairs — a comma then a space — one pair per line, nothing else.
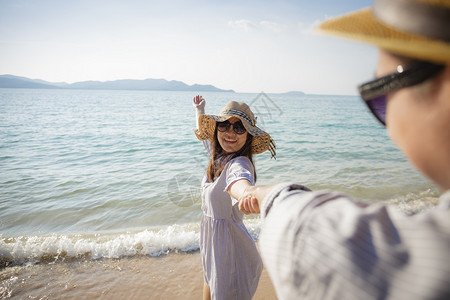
108, 174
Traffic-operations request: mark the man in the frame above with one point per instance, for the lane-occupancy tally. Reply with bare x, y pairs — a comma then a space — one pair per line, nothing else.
325, 245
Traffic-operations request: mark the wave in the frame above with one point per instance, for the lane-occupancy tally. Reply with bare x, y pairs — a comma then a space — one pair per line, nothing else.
413, 203
58, 247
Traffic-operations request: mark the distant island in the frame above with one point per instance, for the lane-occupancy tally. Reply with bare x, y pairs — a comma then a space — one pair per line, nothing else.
11, 81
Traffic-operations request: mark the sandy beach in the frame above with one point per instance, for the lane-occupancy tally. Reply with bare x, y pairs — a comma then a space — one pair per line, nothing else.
173, 276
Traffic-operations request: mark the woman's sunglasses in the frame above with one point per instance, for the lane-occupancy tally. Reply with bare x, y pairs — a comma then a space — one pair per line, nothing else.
238, 127
374, 93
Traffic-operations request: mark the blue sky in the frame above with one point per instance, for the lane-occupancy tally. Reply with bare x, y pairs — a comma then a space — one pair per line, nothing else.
247, 46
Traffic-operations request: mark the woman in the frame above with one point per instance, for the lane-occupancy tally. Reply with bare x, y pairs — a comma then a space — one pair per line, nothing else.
231, 263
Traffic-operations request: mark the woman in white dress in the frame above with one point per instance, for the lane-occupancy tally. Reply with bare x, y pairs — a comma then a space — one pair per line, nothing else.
231, 263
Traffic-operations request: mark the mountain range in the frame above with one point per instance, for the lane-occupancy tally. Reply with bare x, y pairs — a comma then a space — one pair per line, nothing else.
11, 81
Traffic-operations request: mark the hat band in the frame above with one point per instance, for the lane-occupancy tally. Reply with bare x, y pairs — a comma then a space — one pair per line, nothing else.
415, 17
239, 114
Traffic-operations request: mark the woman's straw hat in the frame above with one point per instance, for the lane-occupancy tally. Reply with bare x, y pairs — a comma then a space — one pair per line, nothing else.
261, 139
418, 29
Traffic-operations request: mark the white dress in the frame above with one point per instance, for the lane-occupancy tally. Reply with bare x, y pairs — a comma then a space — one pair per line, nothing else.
231, 263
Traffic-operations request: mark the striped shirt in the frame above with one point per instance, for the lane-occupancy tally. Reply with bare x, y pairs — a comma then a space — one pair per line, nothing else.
325, 245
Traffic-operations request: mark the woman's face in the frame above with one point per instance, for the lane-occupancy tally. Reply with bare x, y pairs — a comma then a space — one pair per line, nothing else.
418, 121
229, 140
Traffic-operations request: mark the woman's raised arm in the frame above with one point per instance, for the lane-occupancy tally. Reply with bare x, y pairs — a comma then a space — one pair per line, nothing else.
199, 103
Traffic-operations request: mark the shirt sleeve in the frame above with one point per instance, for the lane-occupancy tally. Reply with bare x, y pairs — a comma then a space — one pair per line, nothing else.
237, 169
325, 245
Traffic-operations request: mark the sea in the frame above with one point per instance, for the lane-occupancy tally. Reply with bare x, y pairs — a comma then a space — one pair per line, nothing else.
96, 174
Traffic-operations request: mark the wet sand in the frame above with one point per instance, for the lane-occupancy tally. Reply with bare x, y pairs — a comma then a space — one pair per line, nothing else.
174, 276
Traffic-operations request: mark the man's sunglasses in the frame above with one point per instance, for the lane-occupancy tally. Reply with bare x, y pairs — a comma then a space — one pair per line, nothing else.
374, 93
238, 127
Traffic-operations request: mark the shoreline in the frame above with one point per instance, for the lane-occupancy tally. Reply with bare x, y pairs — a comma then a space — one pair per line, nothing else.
172, 276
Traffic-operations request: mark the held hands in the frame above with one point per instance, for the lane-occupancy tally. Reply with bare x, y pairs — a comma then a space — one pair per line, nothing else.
248, 203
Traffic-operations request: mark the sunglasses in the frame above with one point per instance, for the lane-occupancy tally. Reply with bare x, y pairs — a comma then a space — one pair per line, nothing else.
238, 127
374, 93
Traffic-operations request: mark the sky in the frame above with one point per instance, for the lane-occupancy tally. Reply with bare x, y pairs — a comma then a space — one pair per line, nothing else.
246, 46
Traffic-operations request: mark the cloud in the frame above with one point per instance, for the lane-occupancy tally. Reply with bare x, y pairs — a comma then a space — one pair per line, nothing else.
245, 25
264, 26
273, 26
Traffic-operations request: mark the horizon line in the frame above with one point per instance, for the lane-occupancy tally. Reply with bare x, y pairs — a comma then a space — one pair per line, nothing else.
168, 80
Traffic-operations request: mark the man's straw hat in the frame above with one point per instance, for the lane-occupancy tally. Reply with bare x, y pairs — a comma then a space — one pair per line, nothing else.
418, 29
261, 139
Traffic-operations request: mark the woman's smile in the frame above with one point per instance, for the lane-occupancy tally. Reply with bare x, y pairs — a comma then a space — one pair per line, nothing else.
229, 140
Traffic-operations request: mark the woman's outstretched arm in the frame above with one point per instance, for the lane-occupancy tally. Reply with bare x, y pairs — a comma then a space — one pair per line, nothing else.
250, 200
249, 196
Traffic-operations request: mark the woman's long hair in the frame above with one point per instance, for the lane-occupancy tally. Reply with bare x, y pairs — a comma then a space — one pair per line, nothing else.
216, 164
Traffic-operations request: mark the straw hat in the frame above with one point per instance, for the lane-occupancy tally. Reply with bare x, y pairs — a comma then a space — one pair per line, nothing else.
261, 139
418, 29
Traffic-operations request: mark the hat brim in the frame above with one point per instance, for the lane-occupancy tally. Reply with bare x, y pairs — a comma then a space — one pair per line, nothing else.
363, 26
261, 139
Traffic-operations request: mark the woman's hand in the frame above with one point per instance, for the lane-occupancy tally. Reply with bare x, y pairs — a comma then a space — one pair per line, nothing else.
242, 189
199, 103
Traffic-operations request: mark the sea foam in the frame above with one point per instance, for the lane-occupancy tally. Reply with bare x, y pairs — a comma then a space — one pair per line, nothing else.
151, 242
